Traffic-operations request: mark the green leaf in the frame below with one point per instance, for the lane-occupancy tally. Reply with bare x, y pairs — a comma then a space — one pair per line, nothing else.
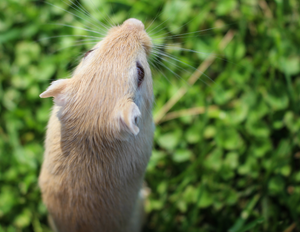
258, 129
290, 65
224, 7
276, 185
209, 132
205, 199
193, 134
252, 225
23, 219
169, 140
214, 160
239, 113
260, 147
228, 138
235, 51
182, 155
231, 160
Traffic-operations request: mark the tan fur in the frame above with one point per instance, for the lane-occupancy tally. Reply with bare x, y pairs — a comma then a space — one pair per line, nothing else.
94, 163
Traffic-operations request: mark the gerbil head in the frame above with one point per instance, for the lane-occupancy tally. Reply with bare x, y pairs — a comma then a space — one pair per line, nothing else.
110, 93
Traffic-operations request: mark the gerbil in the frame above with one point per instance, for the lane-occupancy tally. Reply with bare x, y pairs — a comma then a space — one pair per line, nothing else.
99, 136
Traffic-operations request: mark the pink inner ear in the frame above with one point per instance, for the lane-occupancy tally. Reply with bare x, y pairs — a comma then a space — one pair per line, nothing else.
57, 90
60, 99
128, 119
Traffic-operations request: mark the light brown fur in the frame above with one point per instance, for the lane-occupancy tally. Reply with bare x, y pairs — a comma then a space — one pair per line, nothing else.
96, 152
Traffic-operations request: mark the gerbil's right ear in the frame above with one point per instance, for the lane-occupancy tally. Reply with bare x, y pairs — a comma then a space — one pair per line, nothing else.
127, 120
57, 90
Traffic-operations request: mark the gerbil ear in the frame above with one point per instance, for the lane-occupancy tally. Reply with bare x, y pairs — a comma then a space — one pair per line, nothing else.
57, 90
127, 120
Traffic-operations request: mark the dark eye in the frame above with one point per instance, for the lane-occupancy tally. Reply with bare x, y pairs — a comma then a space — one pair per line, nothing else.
88, 52
141, 73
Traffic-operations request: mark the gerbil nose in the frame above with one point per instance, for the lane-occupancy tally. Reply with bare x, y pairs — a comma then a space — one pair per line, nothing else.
135, 23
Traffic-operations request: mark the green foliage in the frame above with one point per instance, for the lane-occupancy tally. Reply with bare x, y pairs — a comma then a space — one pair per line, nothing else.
232, 166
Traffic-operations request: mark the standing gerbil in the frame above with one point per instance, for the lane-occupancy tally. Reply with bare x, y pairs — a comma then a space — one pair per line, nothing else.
99, 136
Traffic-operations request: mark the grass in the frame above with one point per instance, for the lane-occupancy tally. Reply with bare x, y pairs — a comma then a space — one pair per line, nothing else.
226, 147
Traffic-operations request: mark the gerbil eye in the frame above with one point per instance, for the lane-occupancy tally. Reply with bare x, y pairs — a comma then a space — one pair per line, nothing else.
88, 52
141, 73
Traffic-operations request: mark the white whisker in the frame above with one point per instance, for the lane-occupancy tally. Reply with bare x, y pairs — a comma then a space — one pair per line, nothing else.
190, 50
76, 28
177, 75
171, 57
80, 11
69, 13
111, 23
177, 66
194, 32
157, 68
58, 36
172, 47
80, 6
74, 45
157, 26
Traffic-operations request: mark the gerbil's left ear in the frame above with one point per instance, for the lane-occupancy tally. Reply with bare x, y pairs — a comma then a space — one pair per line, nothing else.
57, 90
127, 119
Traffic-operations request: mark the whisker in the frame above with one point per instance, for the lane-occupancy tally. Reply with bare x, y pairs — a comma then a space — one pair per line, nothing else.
158, 31
173, 63
157, 68
194, 32
170, 61
180, 37
80, 6
80, 11
68, 12
87, 40
76, 28
171, 47
107, 16
75, 45
217, 56
158, 26
156, 16
177, 75
171, 57
158, 53
178, 28
58, 36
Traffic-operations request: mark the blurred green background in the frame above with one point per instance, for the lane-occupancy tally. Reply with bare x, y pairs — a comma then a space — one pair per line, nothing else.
226, 155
